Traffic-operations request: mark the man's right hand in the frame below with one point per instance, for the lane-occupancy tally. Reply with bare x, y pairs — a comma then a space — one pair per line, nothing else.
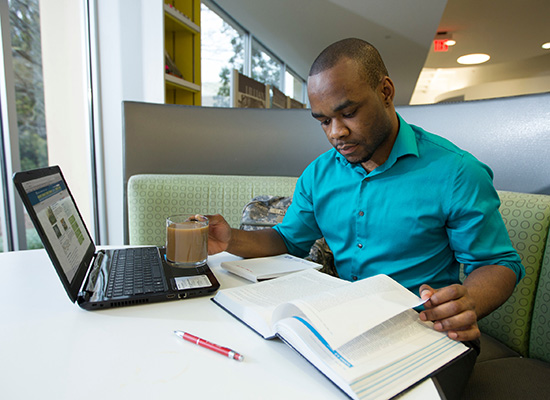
219, 234
260, 243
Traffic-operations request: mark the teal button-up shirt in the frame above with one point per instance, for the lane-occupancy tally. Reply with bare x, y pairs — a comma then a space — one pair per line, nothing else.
430, 207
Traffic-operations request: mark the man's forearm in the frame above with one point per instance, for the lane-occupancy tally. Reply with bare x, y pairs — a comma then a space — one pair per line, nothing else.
261, 243
490, 286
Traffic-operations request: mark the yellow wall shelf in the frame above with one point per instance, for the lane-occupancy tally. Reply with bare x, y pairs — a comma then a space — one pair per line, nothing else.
178, 83
182, 44
175, 21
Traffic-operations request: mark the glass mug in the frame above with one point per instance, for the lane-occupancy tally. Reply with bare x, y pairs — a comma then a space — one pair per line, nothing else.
187, 240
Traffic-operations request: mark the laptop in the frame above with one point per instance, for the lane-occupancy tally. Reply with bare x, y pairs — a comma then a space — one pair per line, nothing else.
98, 279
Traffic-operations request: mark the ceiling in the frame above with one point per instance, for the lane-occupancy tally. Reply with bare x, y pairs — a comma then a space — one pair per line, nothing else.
511, 31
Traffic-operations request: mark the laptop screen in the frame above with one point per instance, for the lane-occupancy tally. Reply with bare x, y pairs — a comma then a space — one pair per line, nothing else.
60, 220
59, 224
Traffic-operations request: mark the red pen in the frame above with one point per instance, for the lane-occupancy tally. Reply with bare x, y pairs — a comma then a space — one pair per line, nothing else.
205, 343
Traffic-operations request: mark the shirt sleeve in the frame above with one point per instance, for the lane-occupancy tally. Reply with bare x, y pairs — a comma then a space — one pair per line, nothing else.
299, 229
475, 228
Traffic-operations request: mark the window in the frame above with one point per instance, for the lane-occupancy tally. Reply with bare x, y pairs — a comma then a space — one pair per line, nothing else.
26, 54
266, 68
225, 46
3, 198
222, 50
29, 88
294, 86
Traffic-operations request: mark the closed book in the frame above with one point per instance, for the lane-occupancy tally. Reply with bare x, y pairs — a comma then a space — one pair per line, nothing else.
263, 268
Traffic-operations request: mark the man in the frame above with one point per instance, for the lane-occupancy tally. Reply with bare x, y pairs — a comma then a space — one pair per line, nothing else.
391, 198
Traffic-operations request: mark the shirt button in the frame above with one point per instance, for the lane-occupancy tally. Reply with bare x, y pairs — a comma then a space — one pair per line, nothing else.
361, 213
359, 245
354, 278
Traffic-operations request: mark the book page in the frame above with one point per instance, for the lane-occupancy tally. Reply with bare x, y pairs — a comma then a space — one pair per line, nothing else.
343, 313
254, 304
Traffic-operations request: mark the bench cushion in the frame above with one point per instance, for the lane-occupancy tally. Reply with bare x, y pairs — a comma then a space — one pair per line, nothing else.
509, 378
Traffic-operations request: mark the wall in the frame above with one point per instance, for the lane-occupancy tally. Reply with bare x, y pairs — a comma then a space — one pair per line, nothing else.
504, 88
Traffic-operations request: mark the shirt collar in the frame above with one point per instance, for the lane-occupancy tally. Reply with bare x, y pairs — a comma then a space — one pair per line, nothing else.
405, 144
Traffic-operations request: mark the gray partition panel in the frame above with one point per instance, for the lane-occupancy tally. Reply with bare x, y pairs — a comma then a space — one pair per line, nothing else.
511, 135
230, 141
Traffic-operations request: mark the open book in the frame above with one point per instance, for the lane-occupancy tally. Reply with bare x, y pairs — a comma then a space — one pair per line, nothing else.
364, 336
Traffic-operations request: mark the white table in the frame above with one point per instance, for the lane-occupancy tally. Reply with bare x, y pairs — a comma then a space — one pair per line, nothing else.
52, 349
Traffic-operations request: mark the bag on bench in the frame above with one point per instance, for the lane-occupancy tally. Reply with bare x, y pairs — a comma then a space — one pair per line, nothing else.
266, 211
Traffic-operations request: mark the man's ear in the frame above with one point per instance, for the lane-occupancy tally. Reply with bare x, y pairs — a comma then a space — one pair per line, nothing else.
388, 89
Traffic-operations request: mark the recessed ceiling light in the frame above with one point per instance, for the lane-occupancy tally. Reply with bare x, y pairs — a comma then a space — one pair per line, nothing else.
450, 42
470, 59
546, 46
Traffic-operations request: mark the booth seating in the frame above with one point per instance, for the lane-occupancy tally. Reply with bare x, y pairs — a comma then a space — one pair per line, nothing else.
180, 159
515, 356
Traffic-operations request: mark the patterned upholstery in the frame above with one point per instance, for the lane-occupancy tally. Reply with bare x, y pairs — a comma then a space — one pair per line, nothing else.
540, 329
527, 217
152, 198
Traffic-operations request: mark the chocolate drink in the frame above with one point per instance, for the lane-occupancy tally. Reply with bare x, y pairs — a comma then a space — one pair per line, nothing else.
187, 242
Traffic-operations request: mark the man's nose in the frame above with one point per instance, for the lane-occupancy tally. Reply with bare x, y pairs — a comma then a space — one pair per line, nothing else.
338, 130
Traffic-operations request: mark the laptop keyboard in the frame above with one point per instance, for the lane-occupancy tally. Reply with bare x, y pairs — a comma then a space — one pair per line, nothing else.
136, 272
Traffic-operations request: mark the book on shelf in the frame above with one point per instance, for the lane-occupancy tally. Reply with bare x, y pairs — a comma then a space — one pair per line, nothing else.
263, 268
170, 66
364, 336
247, 92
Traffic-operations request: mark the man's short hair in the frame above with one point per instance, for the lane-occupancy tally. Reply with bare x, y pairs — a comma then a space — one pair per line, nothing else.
364, 53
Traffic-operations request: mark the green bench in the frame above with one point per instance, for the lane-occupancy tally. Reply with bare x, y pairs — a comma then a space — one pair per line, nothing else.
515, 356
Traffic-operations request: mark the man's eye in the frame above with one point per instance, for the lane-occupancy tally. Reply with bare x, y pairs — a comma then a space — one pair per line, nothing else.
349, 114
325, 122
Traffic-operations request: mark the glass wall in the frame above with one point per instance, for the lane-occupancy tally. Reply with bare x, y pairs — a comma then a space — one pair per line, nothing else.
3, 196
225, 45
24, 20
266, 67
294, 86
29, 88
222, 50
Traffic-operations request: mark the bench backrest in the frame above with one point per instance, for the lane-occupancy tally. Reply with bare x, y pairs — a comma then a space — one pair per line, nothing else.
152, 198
518, 321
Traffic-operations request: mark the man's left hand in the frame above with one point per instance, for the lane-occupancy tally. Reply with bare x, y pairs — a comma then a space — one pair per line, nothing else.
452, 310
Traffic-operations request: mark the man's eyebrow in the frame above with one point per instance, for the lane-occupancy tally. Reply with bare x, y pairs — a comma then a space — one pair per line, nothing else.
344, 105
315, 115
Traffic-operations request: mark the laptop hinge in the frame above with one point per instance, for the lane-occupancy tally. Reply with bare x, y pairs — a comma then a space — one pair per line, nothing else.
93, 274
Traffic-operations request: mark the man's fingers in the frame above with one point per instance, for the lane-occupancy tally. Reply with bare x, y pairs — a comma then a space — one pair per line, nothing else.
452, 310
459, 321
426, 291
466, 334
448, 293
